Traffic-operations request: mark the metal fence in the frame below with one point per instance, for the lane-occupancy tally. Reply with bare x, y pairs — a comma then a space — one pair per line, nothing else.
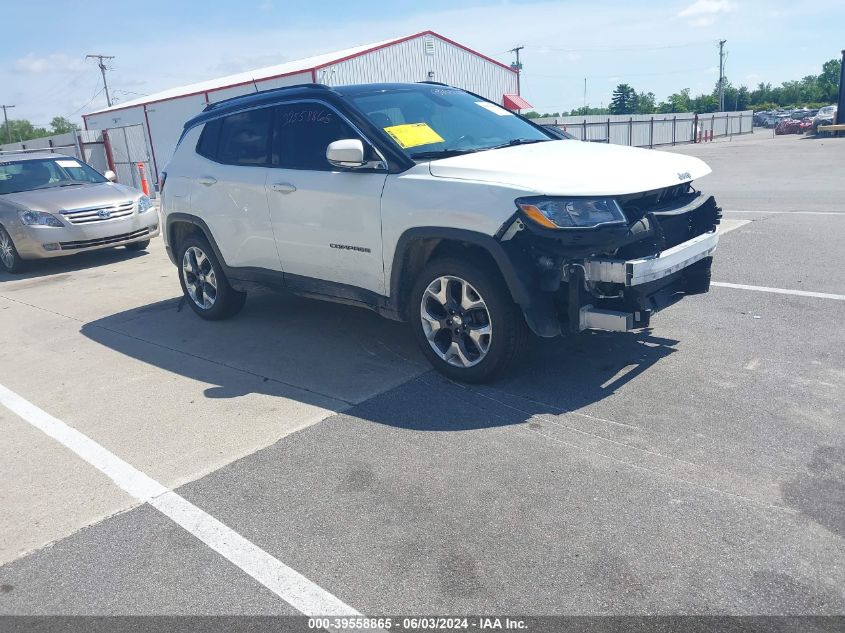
653, 130
86, 145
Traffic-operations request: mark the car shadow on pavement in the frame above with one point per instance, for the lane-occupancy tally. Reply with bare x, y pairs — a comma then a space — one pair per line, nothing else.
35, 268
321, 353
555, 377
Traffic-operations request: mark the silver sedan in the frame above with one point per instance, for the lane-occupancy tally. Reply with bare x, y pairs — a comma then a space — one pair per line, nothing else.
53, 205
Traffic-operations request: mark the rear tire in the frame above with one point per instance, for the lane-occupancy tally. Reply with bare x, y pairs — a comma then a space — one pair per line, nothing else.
10, 261
137, 246
204, 283
465, 321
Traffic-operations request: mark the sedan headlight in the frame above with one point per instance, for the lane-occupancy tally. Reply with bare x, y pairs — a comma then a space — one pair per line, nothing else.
144, 204
572, 213
39, 218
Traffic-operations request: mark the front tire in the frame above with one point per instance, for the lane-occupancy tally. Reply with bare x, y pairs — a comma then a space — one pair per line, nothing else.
204, 283
465, 321
10, 261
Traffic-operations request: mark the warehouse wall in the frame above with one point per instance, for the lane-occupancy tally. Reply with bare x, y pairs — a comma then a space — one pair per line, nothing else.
409, 61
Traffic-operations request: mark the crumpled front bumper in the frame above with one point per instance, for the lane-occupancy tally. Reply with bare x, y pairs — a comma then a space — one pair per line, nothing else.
644, 270
645, 285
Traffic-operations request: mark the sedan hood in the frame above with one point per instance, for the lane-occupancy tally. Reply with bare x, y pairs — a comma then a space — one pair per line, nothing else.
573, 168
56, 199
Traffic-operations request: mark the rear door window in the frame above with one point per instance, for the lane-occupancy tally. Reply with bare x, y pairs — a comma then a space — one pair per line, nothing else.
244, 138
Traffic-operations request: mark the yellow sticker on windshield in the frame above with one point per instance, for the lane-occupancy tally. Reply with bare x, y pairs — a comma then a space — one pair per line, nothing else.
413, 134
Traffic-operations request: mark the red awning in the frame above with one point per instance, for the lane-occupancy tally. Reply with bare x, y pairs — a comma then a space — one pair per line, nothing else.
515, 102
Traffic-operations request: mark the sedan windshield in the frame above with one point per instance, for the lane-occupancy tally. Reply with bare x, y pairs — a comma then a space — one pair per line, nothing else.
429, 121
27, 175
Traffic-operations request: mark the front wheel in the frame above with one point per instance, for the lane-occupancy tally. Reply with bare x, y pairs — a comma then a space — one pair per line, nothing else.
465, 321
10, 261
204, 283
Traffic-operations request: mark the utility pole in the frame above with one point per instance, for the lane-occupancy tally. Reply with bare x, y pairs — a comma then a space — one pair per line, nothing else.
103, 70
517, 65
585, 95
6, 119
722, 75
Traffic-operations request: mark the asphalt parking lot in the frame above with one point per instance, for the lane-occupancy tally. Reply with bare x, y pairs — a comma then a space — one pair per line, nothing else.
694, 468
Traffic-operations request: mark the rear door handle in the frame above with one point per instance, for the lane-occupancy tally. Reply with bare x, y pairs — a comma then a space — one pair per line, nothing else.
207, 180
283, 187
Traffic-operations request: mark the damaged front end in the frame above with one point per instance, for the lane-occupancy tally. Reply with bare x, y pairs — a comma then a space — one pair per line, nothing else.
650, 250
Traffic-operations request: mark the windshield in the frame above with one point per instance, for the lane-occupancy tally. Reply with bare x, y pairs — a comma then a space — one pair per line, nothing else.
436, 121
27, 175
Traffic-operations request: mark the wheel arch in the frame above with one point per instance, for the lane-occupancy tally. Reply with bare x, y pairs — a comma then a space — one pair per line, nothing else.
179, 226
417, 246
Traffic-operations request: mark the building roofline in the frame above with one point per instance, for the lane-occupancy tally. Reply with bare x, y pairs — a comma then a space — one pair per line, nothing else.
140, 103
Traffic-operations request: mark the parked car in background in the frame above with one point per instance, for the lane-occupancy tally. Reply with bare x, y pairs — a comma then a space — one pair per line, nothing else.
53, 205
825, 116
435, 206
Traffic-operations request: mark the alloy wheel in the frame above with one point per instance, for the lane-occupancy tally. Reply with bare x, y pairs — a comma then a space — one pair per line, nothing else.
7, 250
200, 278
456, 321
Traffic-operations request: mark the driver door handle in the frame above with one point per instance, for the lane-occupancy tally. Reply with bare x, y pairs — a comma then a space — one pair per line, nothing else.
207, 180
283, 187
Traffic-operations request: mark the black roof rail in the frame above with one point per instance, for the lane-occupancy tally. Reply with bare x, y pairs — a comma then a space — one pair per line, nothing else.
217, 104
434, 83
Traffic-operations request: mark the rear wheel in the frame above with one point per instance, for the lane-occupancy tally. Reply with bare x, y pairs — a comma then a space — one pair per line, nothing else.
137, 246
10, 261
204, 283
465, 321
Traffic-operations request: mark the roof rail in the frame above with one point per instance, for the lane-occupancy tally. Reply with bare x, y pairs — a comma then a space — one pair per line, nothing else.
217, 104
434, 83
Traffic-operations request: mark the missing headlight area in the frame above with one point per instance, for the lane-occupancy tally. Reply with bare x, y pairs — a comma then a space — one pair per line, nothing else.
616, 274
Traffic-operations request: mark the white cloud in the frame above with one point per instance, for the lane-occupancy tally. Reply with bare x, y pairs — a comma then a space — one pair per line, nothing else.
706, 7
55, 63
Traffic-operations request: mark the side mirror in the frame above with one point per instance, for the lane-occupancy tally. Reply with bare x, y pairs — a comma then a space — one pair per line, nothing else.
110, 175
348, 152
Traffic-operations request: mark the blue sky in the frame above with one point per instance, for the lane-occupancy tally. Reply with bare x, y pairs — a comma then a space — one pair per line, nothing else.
655, 46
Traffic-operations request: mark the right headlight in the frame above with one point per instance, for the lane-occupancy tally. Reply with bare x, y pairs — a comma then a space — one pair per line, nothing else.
572, 213
144, 204
39, 218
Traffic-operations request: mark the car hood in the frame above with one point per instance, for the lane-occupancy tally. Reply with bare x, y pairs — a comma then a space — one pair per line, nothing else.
56, 199
572, 168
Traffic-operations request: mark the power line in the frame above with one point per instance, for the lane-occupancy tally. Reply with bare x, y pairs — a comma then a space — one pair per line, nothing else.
600, 49
96, 94
6, 119
103, 69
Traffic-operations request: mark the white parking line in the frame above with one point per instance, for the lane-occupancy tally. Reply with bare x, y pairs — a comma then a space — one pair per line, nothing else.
780, 291
785, 212
726, 226
285, 582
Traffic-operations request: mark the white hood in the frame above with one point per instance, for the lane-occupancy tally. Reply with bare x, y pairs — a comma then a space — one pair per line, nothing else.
573, 168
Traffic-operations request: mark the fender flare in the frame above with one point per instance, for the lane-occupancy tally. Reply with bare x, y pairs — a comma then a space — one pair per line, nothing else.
173, 218
515, 282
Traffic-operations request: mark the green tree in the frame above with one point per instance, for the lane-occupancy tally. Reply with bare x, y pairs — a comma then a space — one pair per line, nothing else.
21, 130
624, 100
60, 125
828, 81
645, 103
677, 102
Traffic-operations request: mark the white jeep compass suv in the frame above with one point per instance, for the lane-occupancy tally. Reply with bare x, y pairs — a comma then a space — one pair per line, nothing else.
434, 206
